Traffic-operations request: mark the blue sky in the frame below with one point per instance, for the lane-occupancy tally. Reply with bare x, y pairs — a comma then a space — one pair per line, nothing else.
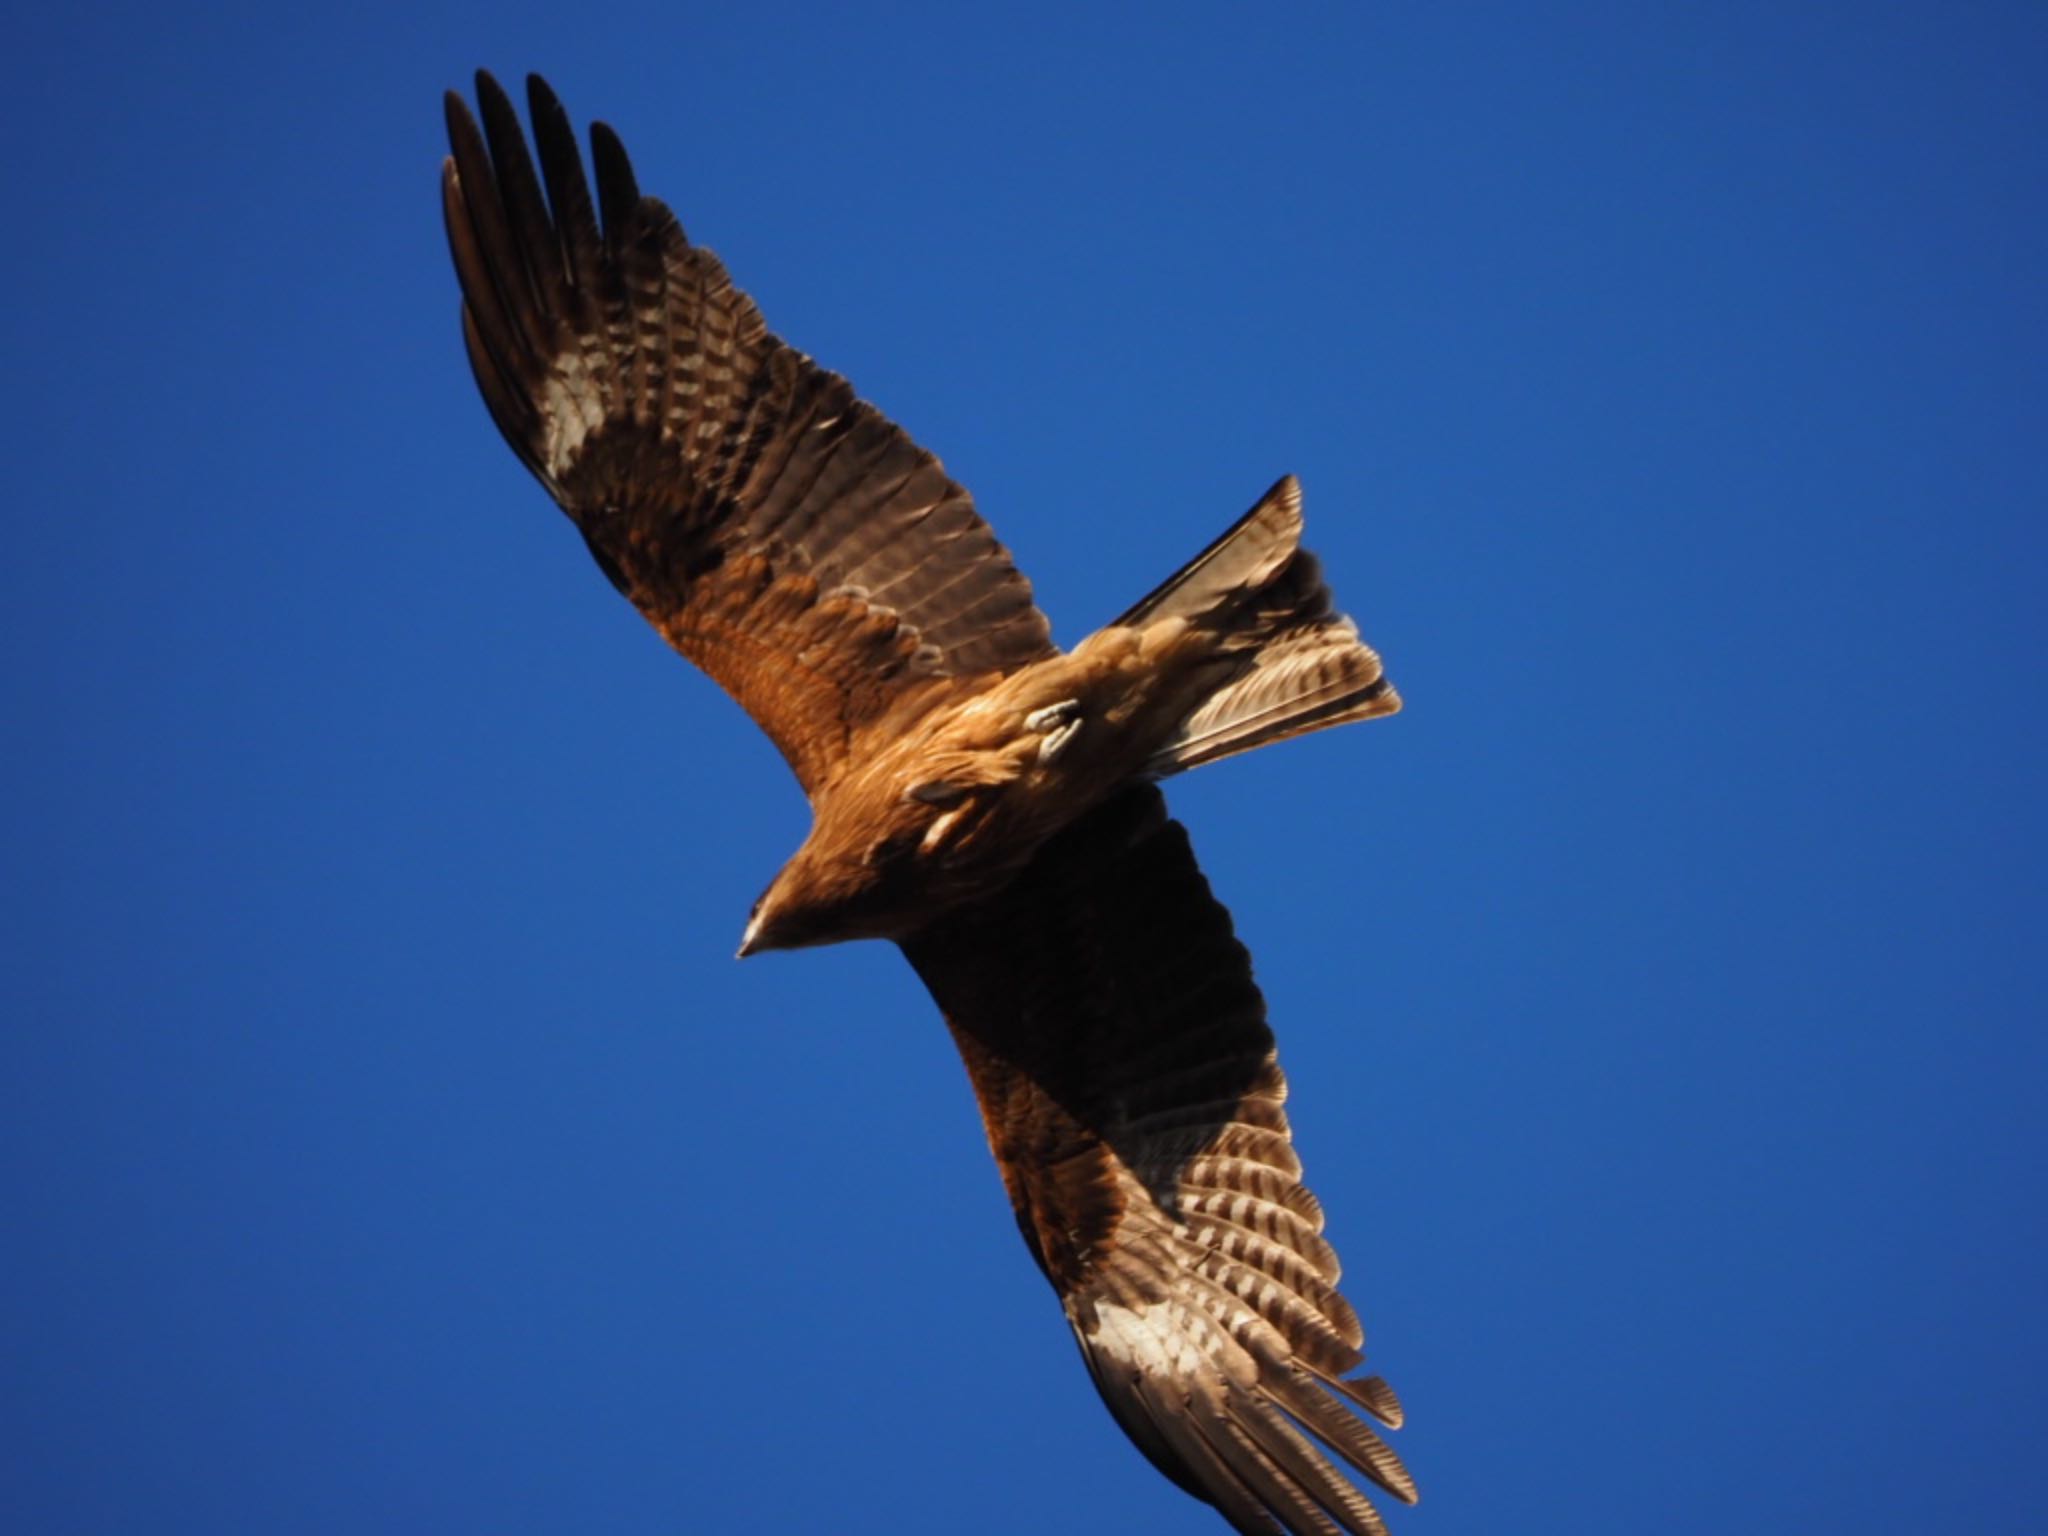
387, 1138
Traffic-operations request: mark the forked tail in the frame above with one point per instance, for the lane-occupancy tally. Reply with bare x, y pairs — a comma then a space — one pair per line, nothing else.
1303, 665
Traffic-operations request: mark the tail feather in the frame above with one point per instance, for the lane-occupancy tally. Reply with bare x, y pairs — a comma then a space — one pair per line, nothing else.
1249, 554
1322, 678
1303, 667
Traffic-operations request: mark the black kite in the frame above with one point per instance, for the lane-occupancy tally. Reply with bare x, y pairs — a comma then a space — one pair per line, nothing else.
980, 797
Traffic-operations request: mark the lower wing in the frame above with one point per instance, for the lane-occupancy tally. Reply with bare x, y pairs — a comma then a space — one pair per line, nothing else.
1128, 1084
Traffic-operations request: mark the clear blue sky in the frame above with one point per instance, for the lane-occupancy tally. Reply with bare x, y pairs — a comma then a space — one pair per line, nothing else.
389, 1141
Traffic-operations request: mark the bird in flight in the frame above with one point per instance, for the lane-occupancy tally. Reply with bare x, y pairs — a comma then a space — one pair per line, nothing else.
980, 797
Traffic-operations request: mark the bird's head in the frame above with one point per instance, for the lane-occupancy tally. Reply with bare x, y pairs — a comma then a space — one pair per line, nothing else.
879, 862
816, 898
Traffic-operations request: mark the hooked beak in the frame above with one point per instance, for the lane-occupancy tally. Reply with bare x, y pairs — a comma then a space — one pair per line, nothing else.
751, 941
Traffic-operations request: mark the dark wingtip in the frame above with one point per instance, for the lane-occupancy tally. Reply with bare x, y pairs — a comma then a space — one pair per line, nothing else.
618, 190
456, 114
493, 98
540, 96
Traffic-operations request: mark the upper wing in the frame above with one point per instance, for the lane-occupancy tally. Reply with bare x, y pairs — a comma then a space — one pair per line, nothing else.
782, 534
1128, 1084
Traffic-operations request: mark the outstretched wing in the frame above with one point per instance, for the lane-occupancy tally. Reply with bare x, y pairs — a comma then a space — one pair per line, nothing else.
1128, 1084
781, 533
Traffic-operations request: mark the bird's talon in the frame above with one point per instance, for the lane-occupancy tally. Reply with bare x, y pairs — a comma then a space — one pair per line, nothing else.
1053, 715
1055, 742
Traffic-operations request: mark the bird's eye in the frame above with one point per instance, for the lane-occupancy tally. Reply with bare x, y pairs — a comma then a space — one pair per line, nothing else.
937, 792
892, 850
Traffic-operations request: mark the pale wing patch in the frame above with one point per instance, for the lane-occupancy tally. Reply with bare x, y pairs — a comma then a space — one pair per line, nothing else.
1158, 1338
573, 407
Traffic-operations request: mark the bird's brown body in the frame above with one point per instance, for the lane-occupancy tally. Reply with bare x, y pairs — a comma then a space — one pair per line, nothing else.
980, 797
943, 810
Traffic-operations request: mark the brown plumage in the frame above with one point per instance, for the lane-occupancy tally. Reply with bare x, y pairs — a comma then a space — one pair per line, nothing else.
980, 797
